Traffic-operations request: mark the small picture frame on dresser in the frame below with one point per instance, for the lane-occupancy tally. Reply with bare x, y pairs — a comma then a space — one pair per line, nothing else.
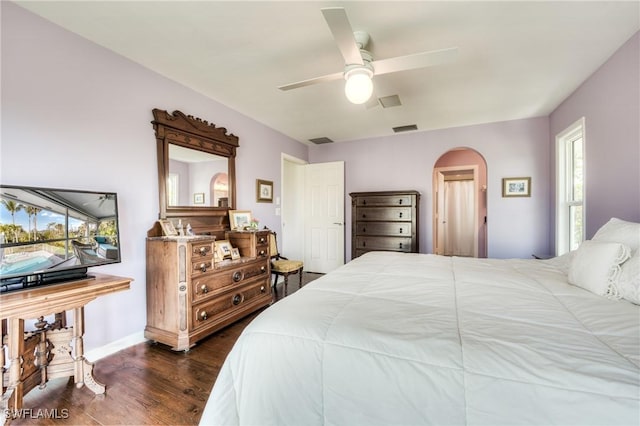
238, 219
223, 248
235, 253
167, 228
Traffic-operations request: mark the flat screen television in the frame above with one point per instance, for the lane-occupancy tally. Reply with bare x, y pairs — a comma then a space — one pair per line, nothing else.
51, 235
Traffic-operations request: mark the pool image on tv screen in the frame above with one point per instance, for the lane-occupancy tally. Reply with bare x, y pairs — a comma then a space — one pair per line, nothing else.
50, 235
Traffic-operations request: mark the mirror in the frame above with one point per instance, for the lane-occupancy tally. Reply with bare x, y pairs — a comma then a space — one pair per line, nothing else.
196, 166
197, 178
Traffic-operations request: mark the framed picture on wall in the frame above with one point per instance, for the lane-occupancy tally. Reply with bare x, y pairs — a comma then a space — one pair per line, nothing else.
516, 187
198, 198
264, 191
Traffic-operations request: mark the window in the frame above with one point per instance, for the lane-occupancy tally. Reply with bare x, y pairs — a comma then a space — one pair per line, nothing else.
172, 189
570, 187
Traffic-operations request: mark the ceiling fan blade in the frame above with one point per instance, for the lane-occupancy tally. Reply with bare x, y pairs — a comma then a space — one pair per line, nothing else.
340, 27
309, 82
417, 60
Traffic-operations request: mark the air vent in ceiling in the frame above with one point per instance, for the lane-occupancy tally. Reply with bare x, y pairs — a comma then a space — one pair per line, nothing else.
405, 128
319, 141
390, 101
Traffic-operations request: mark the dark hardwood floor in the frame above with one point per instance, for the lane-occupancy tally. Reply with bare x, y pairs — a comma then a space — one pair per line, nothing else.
147, 384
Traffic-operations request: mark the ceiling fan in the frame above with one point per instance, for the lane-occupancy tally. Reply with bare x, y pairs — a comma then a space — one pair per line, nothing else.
101, 199
359, 64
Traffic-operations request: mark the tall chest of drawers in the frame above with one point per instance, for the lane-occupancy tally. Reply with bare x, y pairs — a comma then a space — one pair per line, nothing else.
384, 221
191, 294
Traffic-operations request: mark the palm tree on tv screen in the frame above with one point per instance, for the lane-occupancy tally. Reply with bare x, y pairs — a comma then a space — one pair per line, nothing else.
13, 208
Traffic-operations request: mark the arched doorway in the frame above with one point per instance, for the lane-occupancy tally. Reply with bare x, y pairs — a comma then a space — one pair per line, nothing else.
219, 190
460, 204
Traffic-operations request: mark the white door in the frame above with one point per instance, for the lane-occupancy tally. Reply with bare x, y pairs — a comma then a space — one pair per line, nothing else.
324, 216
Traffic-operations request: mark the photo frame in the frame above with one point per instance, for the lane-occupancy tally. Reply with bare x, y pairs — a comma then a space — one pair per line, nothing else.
167, 228
516, 187
235, 253
238, 219
198, 198
223, 248
264, 191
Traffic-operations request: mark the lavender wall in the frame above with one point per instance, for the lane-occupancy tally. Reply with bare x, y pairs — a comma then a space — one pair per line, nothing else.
610, 102
75, 115
517, 227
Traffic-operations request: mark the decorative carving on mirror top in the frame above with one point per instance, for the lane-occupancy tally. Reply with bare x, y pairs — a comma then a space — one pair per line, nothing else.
181, 121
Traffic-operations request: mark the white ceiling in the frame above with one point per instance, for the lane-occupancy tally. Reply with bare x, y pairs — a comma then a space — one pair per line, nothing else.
516, 59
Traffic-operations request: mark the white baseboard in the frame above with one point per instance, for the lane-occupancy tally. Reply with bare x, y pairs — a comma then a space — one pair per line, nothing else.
113, 347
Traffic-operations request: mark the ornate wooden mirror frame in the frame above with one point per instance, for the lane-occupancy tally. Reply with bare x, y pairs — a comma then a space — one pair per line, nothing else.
194, 133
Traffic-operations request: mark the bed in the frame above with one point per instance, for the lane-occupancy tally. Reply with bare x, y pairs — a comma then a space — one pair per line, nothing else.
394, 338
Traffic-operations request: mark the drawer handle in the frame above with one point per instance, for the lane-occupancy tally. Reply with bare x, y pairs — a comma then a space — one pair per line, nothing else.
400, 214
237, 276
203, 251
262, 289
263, 269
364, 215
237, 299
262, 253
364, 244
364, 202
400, 201
364, 229
203, 267
204, 289
203, 315
262, 240
401, 230
400, 245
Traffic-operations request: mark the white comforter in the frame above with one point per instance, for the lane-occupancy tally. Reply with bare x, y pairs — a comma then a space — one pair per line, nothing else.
418, 339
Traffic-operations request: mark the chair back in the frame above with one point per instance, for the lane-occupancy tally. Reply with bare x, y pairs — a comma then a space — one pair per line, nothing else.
273, 245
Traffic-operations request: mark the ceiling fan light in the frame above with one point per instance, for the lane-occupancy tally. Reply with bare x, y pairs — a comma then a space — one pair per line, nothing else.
359, 86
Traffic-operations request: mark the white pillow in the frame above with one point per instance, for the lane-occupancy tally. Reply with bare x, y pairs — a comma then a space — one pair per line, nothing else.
629, 281
596, 267
620, 231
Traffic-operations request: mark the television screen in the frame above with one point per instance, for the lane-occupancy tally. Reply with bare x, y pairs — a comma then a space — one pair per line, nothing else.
51, 235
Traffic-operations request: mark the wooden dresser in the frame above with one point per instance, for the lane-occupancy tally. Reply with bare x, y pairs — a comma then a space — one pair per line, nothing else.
384, 221
190, 294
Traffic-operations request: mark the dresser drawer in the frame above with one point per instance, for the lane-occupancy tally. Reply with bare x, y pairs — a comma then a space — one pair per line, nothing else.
399, 229
384, 200
226, 303
383, 243
206, 286
390, 213
202, 250
201, 266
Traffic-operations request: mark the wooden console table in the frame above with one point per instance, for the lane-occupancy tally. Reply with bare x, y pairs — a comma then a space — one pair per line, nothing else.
36, 357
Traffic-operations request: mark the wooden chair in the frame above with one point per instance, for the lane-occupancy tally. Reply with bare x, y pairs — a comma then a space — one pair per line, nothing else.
280, 265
